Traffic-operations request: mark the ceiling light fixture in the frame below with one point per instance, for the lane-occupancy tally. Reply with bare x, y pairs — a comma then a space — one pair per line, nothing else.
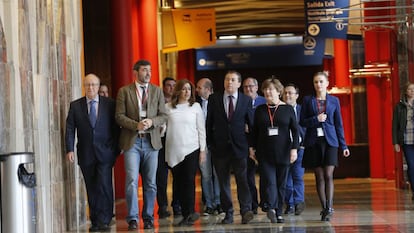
232, 37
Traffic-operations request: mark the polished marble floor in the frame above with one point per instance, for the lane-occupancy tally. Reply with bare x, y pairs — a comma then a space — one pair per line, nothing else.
361, 205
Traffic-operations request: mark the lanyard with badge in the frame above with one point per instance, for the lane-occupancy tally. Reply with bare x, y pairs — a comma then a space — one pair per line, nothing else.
272, 130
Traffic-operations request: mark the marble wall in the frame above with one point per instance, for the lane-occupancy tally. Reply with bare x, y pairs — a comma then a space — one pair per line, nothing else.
40, 73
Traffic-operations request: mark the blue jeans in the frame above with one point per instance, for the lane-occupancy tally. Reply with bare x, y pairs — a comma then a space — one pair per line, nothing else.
295, 186
209, 182
409, 158
141, 156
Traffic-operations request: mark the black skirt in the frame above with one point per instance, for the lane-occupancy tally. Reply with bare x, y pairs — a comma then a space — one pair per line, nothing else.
320, 154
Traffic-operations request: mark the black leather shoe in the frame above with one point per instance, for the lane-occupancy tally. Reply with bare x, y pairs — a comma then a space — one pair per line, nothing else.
279, 219
271, 215
247, 217
228, 219
265, 207
208, 211
289, 210
163, 213
94, 228
189, 220
99, 228
219, 209
148, 224
254, 211
299, 208
132, 225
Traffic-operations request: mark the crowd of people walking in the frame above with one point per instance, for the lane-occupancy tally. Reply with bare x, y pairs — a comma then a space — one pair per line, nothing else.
185, 127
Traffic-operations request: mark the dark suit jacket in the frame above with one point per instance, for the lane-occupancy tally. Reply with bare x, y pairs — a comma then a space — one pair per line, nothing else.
221, 132
99, 144
127, 115
332, 127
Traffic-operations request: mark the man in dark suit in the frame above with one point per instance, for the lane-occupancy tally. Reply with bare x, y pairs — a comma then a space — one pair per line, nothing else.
93, 117
140, 111
227, 115
295, 186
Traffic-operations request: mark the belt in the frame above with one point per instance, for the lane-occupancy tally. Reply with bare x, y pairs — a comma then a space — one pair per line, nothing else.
142, 135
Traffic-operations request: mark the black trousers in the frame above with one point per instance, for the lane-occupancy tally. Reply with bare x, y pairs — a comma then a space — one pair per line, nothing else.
162, 182
223, 164
276, 177
98, 181
184, 174
251, 180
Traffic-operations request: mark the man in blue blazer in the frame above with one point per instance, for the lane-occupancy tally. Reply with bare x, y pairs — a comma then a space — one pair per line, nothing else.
227, 115
92, 118
295, 186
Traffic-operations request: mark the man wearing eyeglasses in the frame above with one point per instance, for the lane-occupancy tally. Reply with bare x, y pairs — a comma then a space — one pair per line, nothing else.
295, 186
250, 88
93, 117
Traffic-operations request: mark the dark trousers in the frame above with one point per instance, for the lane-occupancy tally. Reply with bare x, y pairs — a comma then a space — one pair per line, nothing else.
162, 181
223, 164
184, 174
98, 182
276, 177
409, 158
251, 180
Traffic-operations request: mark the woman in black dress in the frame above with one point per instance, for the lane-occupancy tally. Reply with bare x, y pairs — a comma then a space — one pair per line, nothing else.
275, 141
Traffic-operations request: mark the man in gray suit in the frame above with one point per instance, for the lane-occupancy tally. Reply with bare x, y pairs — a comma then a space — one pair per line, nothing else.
140, 111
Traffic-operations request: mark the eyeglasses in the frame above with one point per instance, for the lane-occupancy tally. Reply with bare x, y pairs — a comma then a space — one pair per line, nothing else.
249, 86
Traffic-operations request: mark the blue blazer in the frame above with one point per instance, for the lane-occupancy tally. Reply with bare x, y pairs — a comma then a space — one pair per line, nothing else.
99, 144
301, 129
332, 127
222, 132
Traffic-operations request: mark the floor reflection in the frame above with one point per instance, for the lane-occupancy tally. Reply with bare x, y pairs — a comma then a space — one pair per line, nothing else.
361, 205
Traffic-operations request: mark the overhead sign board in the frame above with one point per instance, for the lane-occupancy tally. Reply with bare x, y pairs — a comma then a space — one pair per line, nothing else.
309, 53
188, 28
328, 19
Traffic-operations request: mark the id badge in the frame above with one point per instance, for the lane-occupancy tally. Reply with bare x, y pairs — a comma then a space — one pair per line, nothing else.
143, 114
319, 132
272, 131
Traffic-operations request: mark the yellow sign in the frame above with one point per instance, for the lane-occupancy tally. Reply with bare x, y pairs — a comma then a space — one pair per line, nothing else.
188, 28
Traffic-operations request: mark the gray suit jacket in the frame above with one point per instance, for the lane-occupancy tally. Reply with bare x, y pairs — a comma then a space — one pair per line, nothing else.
127, 115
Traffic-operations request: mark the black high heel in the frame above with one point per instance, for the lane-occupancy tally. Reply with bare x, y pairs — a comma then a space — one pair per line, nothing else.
326, 214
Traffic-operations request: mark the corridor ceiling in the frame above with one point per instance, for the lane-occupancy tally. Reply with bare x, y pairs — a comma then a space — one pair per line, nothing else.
253, 17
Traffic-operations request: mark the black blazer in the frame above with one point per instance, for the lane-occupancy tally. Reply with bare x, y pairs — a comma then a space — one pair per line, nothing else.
222, 133
99, 144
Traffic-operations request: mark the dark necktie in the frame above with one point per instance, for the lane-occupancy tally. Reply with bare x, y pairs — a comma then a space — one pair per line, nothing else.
231, 107
144, 97
92, 113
